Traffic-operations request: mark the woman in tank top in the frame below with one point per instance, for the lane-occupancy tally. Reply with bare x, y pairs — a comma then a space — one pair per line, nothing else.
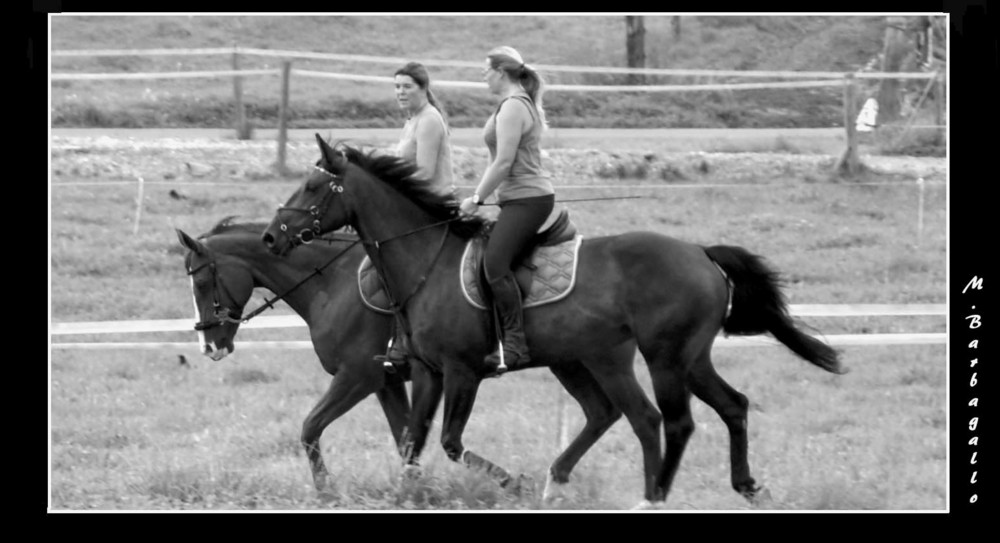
523, 190
424, 142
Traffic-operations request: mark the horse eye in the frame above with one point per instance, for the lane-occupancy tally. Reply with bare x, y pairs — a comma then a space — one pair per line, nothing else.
313, 186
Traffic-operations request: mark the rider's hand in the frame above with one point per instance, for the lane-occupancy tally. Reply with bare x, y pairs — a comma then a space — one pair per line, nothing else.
469, 206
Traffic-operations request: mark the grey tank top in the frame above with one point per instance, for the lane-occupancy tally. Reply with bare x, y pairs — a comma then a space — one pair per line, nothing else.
442, 176
527, 178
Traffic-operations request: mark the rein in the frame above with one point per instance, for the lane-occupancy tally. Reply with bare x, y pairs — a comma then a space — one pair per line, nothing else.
224, 315
588, 199
376, 256
269, 304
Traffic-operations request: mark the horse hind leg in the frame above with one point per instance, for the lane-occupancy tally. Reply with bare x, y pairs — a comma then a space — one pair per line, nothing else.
674, 400
618, 381
601, 414
731, 406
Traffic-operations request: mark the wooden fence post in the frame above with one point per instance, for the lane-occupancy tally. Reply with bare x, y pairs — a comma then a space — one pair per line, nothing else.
286, 69
849, 163
242, 130
939, 106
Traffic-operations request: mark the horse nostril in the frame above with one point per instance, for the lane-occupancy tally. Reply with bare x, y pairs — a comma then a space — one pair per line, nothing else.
268, 239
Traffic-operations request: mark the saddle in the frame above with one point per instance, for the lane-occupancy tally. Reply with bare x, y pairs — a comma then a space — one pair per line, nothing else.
545, 272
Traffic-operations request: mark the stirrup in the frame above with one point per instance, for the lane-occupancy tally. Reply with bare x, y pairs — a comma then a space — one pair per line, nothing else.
390, 363
502, 366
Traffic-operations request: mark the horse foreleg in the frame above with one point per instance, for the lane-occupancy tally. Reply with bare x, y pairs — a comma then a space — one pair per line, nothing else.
345, 392
396, 405
474, 461
601, 414
459, 397
427, 390
731, 406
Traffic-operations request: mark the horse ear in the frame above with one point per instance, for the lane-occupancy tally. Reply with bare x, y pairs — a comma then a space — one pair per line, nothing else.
189, 242
331, 156
324, 148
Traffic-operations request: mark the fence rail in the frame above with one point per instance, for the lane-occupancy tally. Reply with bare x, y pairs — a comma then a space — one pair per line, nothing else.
194, 74
294, 321
848, 162
290, 54
723, 342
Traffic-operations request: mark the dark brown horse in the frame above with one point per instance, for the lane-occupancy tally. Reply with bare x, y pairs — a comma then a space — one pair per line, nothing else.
226, 265
667, 297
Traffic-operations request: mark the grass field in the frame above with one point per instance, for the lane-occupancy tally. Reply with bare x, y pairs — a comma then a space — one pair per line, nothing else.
137, 430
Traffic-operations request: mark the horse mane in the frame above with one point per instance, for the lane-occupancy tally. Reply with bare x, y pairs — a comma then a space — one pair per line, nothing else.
227, 224
401, 174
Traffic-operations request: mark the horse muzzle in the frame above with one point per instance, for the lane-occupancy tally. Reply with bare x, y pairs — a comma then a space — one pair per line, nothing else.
273, 246
216, 353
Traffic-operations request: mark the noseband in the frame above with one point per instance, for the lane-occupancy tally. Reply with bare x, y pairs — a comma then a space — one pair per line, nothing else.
220, 315
307, 235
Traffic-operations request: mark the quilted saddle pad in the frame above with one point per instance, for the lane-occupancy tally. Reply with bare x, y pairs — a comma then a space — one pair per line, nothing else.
547, 276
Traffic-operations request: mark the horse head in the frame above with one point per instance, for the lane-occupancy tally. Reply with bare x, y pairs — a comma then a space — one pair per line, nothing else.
318, 206
220, 288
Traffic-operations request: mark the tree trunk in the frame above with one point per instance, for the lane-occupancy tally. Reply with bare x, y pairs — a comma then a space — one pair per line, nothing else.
635, 48
675, 23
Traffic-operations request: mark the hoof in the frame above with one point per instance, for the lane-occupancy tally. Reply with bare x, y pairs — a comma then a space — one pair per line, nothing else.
554, 492
646, 505
322, 482
758, 495
326, 495
411, 472
762, 497
522, 485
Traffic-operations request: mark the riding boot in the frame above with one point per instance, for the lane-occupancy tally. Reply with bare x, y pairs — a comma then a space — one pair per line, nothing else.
397, 357
507, 303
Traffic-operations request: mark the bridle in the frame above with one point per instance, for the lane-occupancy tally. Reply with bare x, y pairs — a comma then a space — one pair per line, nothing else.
220, 314
226, 315
307, 235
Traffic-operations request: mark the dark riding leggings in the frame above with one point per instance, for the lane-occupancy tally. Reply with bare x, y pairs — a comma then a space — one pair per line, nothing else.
518, 222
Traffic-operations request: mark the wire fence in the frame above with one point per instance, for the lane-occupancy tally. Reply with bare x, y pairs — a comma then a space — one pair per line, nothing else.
815, 79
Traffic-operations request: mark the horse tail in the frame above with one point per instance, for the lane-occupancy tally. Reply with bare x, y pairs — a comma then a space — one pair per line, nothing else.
759, 306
